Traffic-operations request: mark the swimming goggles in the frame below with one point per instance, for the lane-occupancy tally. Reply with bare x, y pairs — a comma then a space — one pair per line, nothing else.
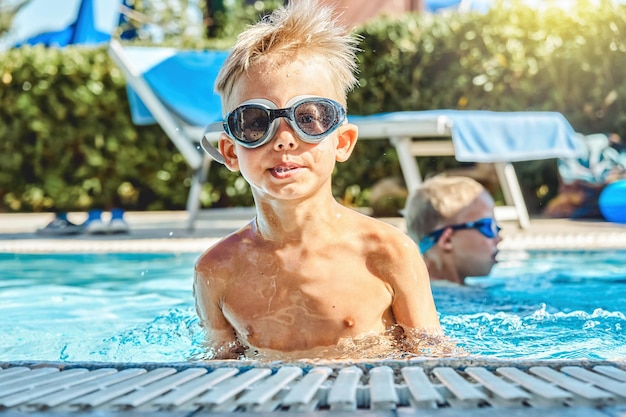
487, 227
255, 121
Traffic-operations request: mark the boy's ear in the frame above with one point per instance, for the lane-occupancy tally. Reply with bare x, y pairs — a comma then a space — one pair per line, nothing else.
229, 152
346, 140
445, 241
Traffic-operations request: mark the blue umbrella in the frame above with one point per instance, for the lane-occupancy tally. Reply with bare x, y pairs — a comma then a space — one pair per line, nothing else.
81, 32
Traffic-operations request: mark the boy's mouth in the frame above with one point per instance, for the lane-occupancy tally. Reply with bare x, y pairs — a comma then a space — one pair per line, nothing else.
281, 170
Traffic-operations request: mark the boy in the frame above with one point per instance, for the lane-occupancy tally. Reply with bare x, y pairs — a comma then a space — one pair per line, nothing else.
307, 274
452, 220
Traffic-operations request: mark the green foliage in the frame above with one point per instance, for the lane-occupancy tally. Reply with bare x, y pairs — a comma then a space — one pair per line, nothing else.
510, 59
67, 139
184, 22
175, 20
233, 17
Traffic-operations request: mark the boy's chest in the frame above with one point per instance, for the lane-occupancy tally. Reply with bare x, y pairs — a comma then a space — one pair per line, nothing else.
323, 288
319, 301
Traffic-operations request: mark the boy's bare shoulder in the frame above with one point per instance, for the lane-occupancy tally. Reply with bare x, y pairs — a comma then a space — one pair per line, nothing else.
391, 254
225, 251
382, 236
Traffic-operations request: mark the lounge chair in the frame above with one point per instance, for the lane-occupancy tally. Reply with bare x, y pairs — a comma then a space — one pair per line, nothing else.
475, 136
174, 88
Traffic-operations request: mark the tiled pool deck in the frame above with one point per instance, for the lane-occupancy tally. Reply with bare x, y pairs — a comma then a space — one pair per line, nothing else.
431, 387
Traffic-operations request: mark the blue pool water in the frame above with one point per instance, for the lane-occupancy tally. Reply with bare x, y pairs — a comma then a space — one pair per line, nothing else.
139, 307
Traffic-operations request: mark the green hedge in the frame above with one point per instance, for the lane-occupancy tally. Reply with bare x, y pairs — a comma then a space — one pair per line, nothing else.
68, 142
67, 139
508, 59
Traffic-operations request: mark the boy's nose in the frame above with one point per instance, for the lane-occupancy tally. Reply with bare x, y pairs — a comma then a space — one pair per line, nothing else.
285, 137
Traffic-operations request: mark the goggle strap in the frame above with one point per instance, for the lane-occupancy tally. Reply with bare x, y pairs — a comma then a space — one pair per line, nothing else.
426, 243
211, 150
484, 226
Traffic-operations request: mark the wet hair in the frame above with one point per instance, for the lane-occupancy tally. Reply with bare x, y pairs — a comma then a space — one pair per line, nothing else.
437, 201
304, 29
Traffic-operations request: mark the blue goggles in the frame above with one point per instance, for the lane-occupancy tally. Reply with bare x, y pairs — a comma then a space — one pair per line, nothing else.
487, 227
255, 121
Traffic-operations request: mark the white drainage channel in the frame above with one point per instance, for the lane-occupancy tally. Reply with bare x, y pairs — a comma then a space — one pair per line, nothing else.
121, 388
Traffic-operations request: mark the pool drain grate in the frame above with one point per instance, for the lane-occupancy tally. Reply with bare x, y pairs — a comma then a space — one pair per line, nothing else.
397, 386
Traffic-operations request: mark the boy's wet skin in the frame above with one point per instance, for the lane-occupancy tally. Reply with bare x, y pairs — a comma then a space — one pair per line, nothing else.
305, 295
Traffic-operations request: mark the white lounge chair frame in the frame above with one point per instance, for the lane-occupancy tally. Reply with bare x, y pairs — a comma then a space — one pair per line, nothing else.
407, 137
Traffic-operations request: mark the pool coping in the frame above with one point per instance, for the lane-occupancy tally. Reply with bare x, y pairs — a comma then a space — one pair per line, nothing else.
167, 231
425, 362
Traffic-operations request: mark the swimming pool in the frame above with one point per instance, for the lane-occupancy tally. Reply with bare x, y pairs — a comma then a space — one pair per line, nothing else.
139, 307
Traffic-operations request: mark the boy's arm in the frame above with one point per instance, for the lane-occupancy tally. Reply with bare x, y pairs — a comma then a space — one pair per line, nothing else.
220, 335
414, 308
413, 305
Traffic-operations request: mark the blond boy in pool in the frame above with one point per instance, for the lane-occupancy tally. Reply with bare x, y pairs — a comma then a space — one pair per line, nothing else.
452, 220
306, 273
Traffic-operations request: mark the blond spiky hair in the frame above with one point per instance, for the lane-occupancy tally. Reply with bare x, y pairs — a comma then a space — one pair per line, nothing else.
302, 29
437, 202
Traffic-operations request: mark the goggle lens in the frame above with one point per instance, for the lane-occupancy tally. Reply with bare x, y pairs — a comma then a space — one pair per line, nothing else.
248, 123
315, 118
488, 227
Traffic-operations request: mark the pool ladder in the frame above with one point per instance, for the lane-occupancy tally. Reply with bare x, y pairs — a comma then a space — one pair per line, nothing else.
585, 389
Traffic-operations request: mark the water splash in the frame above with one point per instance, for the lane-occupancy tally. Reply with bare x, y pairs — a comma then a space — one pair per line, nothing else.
541, 334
